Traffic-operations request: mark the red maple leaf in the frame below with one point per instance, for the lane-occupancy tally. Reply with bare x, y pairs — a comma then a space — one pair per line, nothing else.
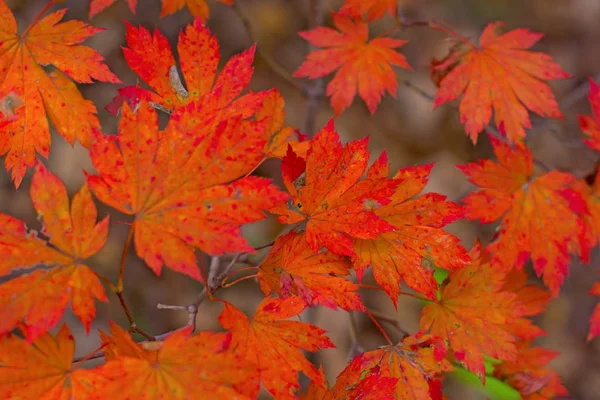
328, 195
274, 345
28, 93
502, 76
292, 268
539, 216
41, 297
186, 185
362, 64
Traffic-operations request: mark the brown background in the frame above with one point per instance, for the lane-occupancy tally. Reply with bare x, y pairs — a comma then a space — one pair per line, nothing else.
407, 128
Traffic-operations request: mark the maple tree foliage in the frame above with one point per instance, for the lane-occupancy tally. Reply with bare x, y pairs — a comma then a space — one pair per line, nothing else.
191, 186
500, 75
539, 215
28, 91
362, 64
39, 299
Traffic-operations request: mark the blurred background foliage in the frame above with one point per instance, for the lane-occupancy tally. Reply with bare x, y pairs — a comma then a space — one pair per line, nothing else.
407, 127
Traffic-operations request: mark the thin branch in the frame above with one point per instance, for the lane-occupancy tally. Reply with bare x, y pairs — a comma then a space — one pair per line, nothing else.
314, 92
271, 62
214, 282
390, 320
355, 347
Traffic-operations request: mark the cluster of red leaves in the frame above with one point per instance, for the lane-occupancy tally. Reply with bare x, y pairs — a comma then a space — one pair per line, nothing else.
190, 187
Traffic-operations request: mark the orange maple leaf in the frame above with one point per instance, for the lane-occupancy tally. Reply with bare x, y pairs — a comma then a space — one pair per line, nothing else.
539, 216
41, 297
418, 243
590, 124
595, 318
362, 63
527, 373
327, 194
410, 370
472, 314
198, 8
151, 57
274, 345
181, 366
531, 300
186, 185
28, 93
366, 384
499, 75
292, 268
374, 9
44, 369
97, 6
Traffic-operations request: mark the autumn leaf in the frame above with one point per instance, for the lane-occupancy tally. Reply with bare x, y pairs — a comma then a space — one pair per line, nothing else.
589, 124
595, 318
274, 345
374, 9
40, 298
502, 76
180, 367
198, 8
185, 185
97, 6
471, 316
44, 369
293, 269
539, 216
527, 373
327, 193
150, 56
359, 62
28, 93
531, 301
412, 364
418, 243
367, 384
278, 135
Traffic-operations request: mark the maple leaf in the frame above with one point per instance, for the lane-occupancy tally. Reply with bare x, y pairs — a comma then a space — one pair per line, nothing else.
409, 252
539, 216
589, 124
274, 345
97, 6
186, 185
28, 93
528, 375
367, 384
360, 63
327, 194
292, 268
410, 370
44, 369
531, 301
374, 9
499, 75
180, 367
595, 318
150, 56
472, 314
41, 297
198, 8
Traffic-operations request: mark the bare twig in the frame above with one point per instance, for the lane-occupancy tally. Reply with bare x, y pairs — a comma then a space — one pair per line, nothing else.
214, 282
271, 62
355, 347
314, 92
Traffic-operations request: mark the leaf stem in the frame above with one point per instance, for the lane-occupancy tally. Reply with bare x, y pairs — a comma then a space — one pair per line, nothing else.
37, 18
89, 356
124, 257
387, 338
